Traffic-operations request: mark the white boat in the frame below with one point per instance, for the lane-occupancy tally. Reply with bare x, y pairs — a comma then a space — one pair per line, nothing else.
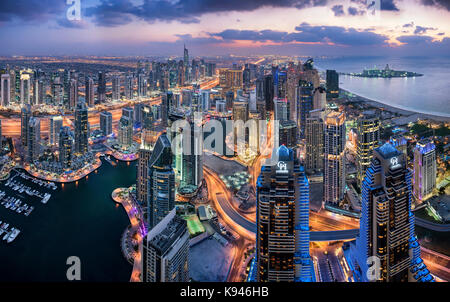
46, 198
13, 235
6, 235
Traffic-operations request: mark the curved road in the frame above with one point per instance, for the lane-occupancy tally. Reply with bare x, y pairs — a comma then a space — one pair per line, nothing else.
432, 226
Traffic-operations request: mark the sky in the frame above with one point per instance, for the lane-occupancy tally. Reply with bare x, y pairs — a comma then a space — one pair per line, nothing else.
222, 27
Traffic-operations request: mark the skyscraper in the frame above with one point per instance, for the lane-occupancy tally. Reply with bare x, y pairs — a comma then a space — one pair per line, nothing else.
145, 152
128, 87
101, 88
165, 251
5, 89
116, 88
332, 84
65, 147
368, 133
282, 244
186, 64
33, 139
142, 85
24, 118
387, 223
73, 93
305, 99
334, 158
25, 87
424, 169
192, 157
81, 128
314, 142
269, 92
90, 99
55, 124
129, 113
106, 122
288, 134
161, 182
125, 131
281, 109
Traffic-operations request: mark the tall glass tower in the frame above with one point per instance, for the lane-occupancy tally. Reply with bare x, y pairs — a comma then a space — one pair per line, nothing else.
283, 221
161, 182
387, 236
368, 138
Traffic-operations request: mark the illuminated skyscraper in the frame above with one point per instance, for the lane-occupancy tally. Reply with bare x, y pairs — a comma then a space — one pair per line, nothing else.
73, 93
128, 87
125, 131
129, 113
281, 109
5, 89
145, 152
288, 134
33, 139
192, 165
161, 182
332, 84
165, 251
24, 119
55, 124
142, 85
305, 100
106, 123
186, 64
280, 84
25, 87
101, 87
65, 147
90, 99
334, 158
424, 169
116, 88
387, 223
314, 142
368, 139
282, 244
81, 128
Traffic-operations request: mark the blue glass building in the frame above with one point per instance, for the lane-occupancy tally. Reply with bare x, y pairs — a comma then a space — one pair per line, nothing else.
283, 221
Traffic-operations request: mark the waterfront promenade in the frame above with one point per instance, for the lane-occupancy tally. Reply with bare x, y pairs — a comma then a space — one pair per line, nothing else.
122, 196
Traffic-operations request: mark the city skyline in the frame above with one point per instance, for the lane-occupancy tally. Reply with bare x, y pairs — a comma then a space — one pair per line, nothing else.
291, 27
191, 166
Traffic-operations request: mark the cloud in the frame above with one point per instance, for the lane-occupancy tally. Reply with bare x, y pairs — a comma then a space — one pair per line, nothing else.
353, 11
30, 10
422, 30
111, 13
338, 10
305, 33
388, 5
438, 3
413, 39
409, 24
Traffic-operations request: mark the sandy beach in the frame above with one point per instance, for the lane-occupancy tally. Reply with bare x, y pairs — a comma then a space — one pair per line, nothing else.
408, 115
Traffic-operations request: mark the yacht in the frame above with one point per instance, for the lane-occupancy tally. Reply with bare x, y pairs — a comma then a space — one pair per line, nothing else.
13, 235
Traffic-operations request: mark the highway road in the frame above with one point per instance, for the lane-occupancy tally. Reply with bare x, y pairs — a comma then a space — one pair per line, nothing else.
431, 225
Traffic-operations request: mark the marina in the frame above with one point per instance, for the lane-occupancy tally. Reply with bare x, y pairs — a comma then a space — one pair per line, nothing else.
8, 234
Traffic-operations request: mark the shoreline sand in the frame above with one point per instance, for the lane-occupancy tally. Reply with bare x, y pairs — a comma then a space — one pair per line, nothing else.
410, 114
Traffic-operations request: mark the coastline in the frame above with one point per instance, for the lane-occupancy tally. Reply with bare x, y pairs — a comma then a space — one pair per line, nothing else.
410, 114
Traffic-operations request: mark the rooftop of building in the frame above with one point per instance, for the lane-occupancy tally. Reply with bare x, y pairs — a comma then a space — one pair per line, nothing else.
169, 234
387, 151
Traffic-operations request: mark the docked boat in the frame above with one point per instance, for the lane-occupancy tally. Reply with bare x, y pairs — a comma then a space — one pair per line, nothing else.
13, 235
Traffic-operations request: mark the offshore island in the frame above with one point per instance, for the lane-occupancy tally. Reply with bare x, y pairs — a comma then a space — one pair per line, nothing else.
384, 73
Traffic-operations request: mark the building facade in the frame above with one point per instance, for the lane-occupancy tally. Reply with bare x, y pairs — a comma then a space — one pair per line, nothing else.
334, 158
282, 245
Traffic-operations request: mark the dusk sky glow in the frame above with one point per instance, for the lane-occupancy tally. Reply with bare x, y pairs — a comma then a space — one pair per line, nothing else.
209, 27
